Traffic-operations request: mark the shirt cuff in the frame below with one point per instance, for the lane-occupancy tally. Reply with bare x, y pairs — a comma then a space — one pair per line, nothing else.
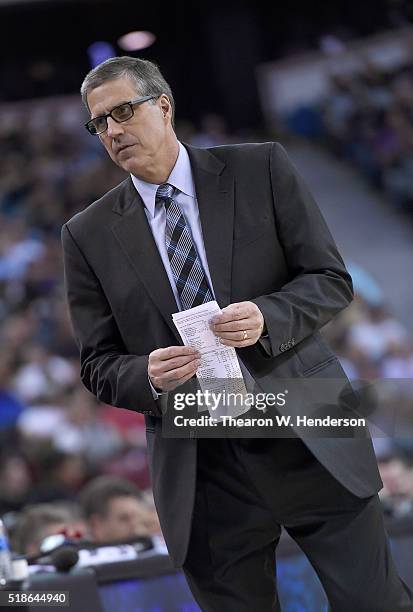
156, 394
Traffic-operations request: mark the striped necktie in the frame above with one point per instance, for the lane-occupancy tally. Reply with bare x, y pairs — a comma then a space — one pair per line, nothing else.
186, 266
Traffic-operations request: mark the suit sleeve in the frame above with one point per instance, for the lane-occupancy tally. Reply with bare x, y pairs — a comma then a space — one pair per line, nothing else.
320, 285
106, 369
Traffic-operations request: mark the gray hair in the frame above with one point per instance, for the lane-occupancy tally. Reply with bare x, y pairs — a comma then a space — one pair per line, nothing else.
144, 74
96, 495
33, 520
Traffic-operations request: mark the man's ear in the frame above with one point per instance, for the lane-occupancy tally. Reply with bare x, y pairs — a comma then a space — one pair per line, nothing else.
165, 104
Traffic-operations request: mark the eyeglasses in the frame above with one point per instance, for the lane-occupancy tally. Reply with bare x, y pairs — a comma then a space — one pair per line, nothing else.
120, 113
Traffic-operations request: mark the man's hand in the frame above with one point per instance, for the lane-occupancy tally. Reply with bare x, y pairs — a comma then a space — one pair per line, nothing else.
239, 324
170, 367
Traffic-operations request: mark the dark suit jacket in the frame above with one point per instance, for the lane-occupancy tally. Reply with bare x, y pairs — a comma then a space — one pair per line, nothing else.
265, 241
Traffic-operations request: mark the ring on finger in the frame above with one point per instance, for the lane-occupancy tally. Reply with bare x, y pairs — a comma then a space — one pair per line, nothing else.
245, 335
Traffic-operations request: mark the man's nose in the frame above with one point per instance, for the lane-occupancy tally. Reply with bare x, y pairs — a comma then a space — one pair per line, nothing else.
114, 128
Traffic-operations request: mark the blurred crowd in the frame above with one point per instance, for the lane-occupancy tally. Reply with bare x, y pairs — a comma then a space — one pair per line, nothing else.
376, 352
68, 462
367, 119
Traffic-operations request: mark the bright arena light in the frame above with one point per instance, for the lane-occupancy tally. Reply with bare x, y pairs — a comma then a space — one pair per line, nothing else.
134, 41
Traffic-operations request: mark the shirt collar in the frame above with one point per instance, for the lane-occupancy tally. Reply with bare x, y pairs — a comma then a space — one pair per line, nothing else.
180, 177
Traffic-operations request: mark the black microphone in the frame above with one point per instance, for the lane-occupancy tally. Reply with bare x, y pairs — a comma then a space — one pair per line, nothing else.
50, 549
64, 558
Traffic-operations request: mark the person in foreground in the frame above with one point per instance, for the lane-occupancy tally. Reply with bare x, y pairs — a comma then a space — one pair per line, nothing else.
233, 223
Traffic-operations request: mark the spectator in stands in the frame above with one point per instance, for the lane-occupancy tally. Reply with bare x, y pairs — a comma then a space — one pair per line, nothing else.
61, 476
396, 471
15, 479
10, 404
85, 432
115, 510
377, 332
36, 522
43, 375
398, 361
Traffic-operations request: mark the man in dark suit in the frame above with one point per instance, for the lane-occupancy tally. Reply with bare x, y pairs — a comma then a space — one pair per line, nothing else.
235, 224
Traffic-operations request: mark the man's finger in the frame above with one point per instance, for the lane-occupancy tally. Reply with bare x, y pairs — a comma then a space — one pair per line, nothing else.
177, 362
229, 315
178, 373
235, 312
174, 378
238, 336
158, 368
174, 351
233, 326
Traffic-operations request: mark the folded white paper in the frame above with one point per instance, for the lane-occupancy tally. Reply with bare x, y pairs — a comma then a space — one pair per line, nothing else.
219, 373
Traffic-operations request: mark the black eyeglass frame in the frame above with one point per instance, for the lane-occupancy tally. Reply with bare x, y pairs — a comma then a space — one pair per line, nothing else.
131, 104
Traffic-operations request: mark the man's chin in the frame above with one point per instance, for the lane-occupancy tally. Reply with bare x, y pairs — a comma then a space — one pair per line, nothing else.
131, 163
126, 164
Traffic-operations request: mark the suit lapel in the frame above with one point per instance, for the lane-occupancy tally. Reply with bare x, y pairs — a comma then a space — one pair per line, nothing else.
135, 237
215, 194
214, 187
